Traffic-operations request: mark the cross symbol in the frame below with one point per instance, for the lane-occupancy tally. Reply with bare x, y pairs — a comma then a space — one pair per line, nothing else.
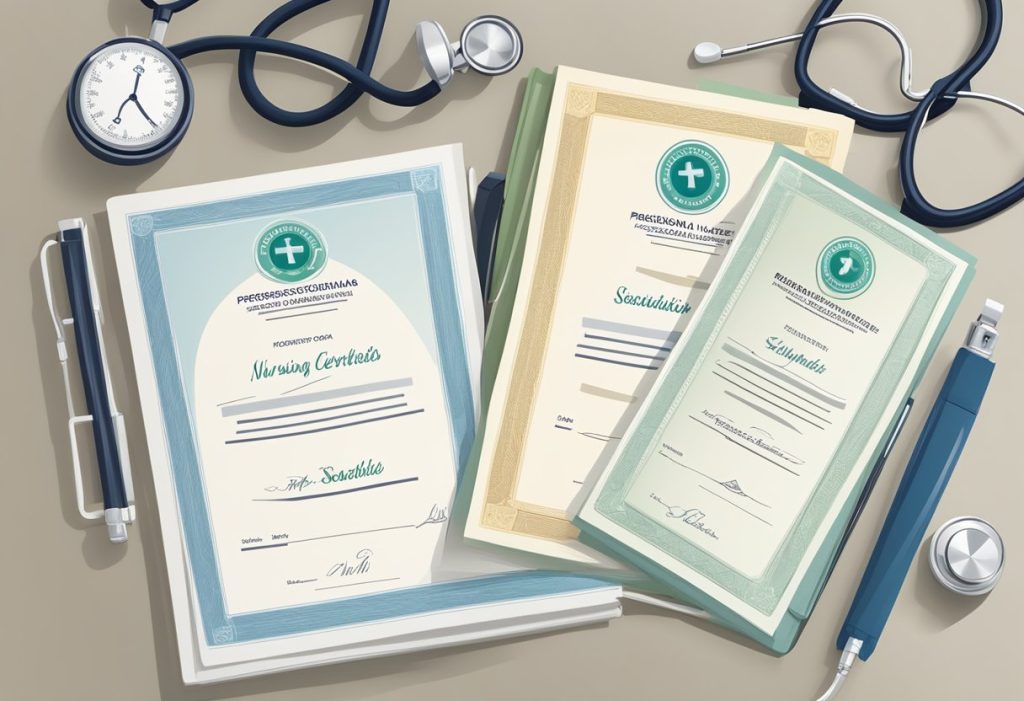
691, 174
289, 250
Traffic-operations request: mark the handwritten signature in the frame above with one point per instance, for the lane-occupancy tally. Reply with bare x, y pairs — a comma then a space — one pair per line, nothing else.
438, 514
691, 517
295, 483
360, 564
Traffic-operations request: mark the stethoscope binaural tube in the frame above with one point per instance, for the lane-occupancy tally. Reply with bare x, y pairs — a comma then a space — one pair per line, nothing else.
811, 95
942, 95
915, 205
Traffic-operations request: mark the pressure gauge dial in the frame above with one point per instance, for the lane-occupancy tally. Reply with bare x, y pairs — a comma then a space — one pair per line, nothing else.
130, 101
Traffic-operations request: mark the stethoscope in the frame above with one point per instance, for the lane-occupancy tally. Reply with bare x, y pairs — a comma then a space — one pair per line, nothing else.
943, 94
131, 100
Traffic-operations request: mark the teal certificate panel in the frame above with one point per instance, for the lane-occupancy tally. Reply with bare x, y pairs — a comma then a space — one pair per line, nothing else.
773, 408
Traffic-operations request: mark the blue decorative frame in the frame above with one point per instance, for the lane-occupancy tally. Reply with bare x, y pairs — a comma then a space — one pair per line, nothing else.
218, 626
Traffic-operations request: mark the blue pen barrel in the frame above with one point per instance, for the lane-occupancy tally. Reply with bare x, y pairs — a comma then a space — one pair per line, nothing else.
931, 465
94, 379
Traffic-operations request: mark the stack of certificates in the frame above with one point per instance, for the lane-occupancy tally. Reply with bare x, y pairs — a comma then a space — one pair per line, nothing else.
701, 339
711, 338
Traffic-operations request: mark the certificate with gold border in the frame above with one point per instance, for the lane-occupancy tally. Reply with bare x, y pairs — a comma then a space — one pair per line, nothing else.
639, 191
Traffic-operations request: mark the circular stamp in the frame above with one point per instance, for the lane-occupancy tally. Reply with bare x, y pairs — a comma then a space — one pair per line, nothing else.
290, 251
692, 177
846, 268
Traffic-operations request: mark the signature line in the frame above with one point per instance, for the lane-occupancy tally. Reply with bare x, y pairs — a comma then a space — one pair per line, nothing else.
344, 491
264, 547
322, 537
734, 441
733, 504
708, 477
356, 584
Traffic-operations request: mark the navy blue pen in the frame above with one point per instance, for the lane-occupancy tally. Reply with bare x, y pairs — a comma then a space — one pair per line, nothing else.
487, 206
931, 465
107, 422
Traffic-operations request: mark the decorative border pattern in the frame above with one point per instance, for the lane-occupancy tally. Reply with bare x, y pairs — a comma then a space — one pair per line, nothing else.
764, 594
502, 511
218, 626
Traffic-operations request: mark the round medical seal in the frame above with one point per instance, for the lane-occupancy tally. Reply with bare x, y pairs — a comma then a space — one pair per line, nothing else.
692, 177
846, 268
289, 252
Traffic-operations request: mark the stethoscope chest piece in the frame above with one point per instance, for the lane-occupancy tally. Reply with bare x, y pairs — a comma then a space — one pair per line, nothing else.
490, 45
966, 556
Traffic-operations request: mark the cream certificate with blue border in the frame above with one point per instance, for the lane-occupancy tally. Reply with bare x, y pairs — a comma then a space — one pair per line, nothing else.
308, 352
777, 399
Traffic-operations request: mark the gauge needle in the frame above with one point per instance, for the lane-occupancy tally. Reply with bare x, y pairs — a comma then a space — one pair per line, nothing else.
117, 119
139, 105
130, 98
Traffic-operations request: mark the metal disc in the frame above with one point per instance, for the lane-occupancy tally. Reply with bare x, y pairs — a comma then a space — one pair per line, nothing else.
436, 53
966, 556
491, 45
973, 556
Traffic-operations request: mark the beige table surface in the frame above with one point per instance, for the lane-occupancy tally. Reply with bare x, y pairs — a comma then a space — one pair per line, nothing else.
82, 619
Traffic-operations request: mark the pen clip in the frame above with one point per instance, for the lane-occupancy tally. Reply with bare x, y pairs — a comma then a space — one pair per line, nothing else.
60, 323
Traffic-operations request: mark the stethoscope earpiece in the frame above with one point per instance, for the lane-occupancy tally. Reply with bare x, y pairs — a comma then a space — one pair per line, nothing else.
707, 52
490, 45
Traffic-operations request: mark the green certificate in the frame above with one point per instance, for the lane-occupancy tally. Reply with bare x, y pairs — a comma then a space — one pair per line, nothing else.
772, 408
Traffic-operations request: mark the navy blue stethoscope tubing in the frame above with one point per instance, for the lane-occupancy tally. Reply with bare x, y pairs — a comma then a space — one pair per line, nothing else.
915, 204
811, 95
367, 55
939, 99
357, 75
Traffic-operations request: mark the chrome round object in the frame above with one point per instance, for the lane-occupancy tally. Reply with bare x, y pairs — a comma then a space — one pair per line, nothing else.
436, 53
967, 555
491, 45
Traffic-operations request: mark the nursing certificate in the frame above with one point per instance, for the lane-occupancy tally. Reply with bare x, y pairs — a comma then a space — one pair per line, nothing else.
314, 343
635, 207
